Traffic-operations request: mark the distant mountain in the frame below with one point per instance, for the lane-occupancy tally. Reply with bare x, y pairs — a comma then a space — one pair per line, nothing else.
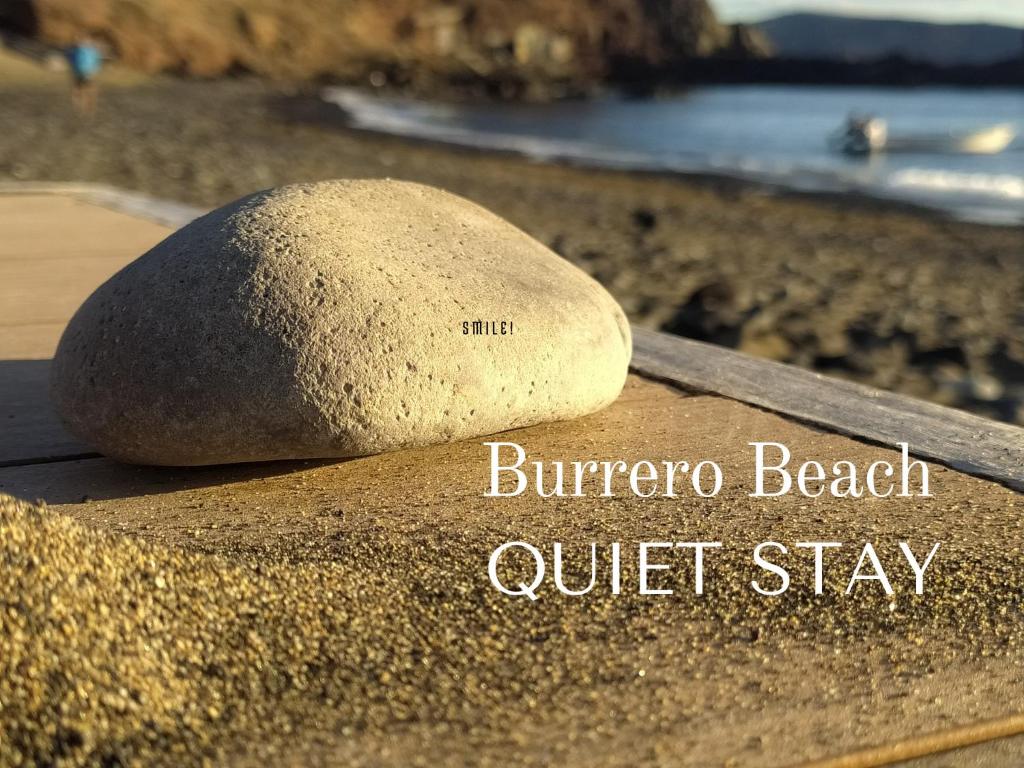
821, 36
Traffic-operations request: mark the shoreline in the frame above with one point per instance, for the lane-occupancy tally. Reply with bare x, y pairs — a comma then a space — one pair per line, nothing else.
718, 182
381, 115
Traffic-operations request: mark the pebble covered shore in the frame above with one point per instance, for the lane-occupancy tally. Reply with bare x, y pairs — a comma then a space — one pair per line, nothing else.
891, 297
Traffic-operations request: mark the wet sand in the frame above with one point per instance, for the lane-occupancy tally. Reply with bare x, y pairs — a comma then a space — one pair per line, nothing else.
889, 296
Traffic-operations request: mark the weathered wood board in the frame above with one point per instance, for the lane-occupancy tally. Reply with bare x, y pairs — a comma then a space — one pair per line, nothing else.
957, 439
31, 431
54, 251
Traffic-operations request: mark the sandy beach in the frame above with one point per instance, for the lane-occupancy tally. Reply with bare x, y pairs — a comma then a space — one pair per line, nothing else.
894, 297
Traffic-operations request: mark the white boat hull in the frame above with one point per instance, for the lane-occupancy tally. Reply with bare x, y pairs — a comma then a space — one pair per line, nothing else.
865, 137
989, 141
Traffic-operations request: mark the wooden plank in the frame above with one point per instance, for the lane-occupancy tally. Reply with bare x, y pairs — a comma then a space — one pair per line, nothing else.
32, 431
31, 341
709, 693
957, 439
43, 226
50, 290
54, 253
165, 213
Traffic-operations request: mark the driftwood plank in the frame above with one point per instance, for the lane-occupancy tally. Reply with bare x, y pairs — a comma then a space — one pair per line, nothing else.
959, 440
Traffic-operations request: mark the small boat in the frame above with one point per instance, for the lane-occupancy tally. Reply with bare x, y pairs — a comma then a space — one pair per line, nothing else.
867, 135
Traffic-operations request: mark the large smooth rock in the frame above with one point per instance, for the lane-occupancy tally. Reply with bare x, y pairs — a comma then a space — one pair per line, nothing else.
328, 320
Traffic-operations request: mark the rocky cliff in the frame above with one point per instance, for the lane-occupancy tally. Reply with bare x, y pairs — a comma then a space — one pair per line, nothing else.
399, 40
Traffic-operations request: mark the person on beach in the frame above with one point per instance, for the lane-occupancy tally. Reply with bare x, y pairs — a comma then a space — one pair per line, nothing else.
85, 60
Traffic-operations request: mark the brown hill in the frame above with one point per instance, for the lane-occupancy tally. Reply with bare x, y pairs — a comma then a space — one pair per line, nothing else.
401, 40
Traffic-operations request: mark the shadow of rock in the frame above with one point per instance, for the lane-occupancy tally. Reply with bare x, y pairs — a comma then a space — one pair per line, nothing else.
79, 481
40, 460
30, 430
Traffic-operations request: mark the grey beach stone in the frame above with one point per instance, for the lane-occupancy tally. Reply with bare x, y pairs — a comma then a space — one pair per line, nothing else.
335, 319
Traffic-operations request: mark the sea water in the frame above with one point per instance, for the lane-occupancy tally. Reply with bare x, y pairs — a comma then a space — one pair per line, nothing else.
772, 134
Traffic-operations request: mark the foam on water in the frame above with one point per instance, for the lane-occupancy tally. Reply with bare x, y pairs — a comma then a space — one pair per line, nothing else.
1000, 186
430, 121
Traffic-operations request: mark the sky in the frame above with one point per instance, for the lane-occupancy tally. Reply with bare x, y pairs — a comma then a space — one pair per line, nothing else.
995, 11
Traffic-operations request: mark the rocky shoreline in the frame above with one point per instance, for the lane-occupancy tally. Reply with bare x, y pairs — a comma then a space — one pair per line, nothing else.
885, 295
